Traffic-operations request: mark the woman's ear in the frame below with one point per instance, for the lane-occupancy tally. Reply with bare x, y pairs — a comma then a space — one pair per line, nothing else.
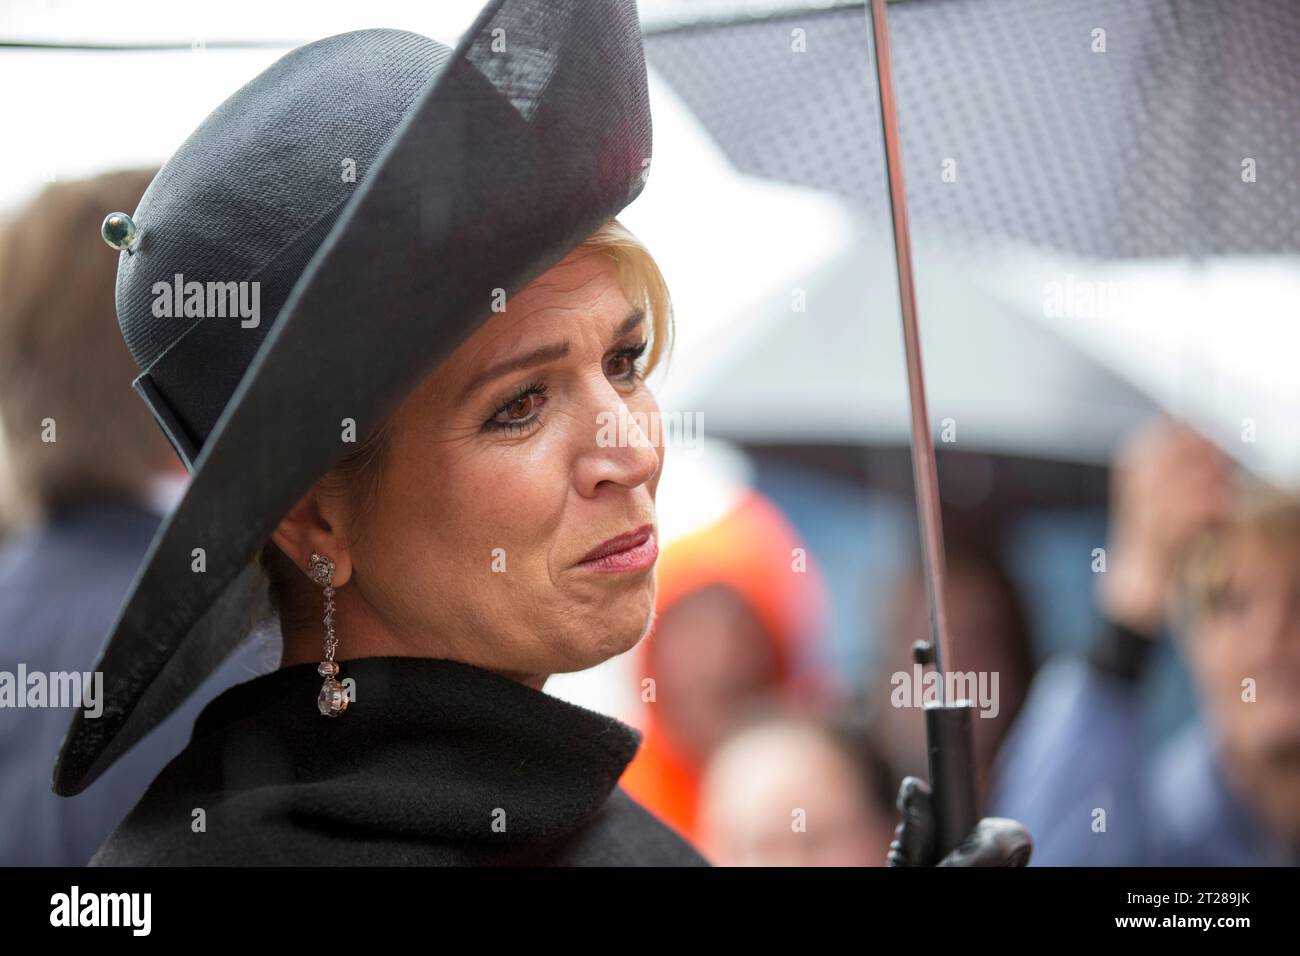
307, 528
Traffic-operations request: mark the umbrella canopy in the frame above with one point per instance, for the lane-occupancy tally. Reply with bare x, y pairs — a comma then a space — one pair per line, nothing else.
1113, 128
1097, 155
1215, 341
1051, 149
825, 365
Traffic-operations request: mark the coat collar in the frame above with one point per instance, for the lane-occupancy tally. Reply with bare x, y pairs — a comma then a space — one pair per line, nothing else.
429, 748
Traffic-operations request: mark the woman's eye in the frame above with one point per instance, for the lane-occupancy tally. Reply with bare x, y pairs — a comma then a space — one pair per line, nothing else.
519, 408
519, 413
624, 362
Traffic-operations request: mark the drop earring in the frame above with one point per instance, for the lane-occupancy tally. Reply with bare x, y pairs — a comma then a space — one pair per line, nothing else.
333, 697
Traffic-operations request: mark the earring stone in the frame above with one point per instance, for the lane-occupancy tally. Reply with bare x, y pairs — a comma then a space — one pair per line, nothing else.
333, 697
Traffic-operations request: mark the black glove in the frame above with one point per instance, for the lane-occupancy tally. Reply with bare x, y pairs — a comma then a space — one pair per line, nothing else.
995, 841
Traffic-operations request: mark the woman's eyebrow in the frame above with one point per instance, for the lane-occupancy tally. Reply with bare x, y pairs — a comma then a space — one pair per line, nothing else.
539, 356
630, 323
547, 353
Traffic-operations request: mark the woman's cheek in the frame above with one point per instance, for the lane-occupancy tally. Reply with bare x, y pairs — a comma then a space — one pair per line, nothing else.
513, 489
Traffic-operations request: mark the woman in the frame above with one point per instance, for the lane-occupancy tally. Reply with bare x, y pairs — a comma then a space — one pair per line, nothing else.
430, 432
450, 752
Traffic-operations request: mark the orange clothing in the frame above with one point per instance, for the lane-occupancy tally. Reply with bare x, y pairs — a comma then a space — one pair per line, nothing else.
751, 550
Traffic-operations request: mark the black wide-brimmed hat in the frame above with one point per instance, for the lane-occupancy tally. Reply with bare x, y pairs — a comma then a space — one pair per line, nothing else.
324, 240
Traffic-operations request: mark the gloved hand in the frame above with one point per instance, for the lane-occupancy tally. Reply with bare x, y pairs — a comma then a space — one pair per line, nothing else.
995, 841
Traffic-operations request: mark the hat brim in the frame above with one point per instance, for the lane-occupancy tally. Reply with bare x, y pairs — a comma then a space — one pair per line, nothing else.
508, 161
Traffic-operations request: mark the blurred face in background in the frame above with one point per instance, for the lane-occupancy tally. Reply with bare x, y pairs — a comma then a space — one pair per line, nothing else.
784, 794
713, 659
1249, 630
63, 358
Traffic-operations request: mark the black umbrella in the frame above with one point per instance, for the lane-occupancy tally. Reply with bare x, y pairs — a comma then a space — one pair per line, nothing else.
1111, 130
1115, 128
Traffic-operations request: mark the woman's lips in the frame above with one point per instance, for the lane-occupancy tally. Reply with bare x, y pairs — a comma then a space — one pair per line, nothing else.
634, 551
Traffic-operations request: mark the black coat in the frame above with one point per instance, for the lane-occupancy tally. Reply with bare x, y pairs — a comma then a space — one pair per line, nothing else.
435, 762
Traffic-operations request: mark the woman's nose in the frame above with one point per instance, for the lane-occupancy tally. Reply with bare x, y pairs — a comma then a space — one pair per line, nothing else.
626, 448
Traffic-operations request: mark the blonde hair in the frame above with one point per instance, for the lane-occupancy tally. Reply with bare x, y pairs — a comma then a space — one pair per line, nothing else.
1261, 513
62, 357
357, 477
642, 283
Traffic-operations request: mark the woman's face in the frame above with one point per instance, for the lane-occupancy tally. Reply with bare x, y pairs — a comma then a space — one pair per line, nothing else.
503, 473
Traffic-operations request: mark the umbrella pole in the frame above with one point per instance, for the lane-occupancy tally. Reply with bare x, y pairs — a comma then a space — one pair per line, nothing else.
949, 739
924, 471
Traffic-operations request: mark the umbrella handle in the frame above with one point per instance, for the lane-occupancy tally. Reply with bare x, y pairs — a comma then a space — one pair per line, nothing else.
951, 755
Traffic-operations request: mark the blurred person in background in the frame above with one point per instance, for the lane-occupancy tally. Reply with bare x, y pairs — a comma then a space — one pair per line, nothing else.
738, 607
793, 789
1221, 563
87, 478
991, 632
